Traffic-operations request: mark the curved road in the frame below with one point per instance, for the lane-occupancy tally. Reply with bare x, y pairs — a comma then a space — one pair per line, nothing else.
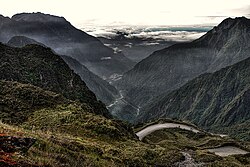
221, 151
150, 129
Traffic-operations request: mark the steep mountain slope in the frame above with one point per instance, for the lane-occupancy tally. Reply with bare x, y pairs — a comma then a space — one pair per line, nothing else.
65, 130
215, 101
26, 100
39, 66
19, 100
61, 36
170, 68
102, 89
66, 133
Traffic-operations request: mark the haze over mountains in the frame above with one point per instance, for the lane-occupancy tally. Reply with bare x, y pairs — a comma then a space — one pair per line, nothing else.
138, 42
103, 90
56, 38
64, 39
170, 68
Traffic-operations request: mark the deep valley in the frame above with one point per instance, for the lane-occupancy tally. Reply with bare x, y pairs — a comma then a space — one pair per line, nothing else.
70, 99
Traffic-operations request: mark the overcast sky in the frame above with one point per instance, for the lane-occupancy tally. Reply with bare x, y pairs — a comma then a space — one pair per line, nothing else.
136, 12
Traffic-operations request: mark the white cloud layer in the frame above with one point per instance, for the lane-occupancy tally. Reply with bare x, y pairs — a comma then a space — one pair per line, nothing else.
142, 12
159, 33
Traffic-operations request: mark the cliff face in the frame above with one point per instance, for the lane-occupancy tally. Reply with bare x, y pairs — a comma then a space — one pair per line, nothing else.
170, 68
58, 34
216, 101
39, 66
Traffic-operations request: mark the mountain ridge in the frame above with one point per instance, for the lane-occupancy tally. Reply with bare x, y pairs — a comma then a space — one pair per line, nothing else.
215, 101
172, 67
39, 66
58, 34
103, 90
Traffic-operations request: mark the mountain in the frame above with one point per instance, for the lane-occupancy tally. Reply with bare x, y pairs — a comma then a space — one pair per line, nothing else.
21, 41
66, 133
102, 89
214, 101
172, 67
19, 100
58, 34
46, 129
21, 103
39, 66
50, 118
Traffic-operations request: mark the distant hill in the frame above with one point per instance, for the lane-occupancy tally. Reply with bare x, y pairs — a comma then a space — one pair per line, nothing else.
215, 101
170, 68
21, 41
58, 34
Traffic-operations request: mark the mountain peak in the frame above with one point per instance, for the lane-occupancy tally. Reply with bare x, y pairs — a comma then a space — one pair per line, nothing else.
230, 22
3, 17
39, 17
227, 29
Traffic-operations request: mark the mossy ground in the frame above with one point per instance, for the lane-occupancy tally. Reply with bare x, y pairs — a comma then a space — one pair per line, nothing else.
197, 144
68, 136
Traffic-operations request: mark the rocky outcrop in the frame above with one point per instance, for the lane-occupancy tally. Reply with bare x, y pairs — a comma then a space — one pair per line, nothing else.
10, 145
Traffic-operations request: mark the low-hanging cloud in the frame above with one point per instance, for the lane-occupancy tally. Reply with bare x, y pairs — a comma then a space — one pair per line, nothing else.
157, 33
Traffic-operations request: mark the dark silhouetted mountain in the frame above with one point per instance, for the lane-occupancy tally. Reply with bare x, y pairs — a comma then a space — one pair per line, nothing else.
39, 66
102, 89
58, 34
170, 68
215, 101
21, 41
